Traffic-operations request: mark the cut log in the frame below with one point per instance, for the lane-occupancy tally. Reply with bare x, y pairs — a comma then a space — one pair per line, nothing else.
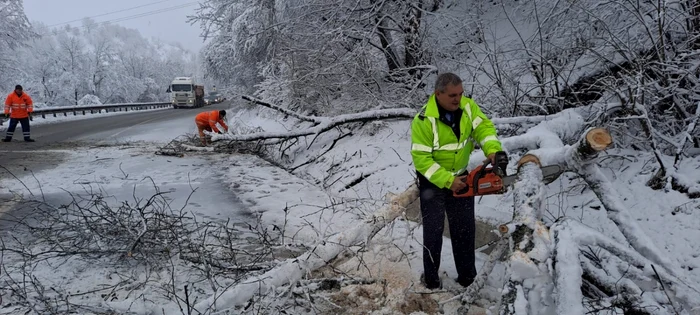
294, 269
528, 158
593, 141
532, 238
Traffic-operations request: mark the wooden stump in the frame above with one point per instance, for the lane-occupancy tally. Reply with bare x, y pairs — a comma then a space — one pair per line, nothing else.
594, 141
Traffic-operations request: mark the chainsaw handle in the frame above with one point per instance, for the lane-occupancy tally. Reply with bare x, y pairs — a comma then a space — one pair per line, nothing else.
481, 174
481, 171
464, 192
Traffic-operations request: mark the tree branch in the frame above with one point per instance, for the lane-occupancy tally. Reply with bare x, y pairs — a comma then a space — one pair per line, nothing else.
293, 270
315, 120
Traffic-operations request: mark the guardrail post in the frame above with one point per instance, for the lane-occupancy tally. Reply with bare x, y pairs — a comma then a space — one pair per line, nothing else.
55, 111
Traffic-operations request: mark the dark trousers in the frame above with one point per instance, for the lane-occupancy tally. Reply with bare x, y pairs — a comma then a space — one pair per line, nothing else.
434, 204
13, 125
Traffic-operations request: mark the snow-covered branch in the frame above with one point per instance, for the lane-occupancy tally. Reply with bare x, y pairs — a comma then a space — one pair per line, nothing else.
577, 158
313, 119
539, 137
568, 273
620, 215
324, 125
577, 234
293, 270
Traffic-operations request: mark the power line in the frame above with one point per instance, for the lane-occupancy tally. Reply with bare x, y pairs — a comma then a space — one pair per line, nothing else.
131, 17
110, 13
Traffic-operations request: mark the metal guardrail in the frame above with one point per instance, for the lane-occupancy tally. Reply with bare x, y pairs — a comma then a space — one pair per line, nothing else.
97, 108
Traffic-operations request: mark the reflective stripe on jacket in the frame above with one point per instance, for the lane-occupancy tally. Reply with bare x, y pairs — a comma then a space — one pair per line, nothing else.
18, 106
437, 153
210, 119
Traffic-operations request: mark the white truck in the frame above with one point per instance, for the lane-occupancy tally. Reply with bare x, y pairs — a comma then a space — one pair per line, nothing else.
185, 93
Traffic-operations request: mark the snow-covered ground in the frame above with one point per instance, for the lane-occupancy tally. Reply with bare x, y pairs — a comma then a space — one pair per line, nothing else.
379, 155
325, 197
123, 172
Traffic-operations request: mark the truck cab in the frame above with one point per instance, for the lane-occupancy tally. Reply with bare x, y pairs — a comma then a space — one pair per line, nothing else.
185, 93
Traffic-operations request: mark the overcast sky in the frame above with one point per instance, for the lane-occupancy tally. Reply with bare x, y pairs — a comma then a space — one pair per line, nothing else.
165, 19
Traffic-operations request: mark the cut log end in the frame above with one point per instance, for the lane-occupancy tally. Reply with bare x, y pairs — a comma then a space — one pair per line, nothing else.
503, 228
529, 158
598, 139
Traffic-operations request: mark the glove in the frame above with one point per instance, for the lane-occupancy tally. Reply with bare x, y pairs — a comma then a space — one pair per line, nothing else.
31, 118
219, 132
7, 115
501, 160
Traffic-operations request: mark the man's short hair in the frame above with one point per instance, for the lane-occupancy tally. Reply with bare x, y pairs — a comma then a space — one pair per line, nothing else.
18, 87
445, 79
222, 112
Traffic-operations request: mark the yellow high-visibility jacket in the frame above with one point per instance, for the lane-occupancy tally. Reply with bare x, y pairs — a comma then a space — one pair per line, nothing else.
437, 153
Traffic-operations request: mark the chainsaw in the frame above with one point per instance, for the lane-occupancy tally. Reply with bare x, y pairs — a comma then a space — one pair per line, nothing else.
487, 179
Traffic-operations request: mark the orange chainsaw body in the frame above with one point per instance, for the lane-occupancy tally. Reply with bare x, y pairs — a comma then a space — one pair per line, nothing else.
481, 181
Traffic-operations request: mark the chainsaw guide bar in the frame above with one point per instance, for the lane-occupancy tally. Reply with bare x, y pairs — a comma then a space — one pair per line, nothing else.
485, 180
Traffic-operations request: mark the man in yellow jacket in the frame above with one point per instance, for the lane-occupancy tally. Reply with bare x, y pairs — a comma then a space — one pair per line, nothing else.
443, 135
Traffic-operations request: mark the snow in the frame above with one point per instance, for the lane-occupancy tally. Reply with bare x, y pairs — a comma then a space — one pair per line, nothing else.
314, 202
120, 170
89, 99
388, 162
618, 213
568, 273
521, 302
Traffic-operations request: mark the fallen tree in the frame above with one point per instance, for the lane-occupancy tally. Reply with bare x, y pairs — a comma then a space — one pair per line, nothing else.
563, 244
546, 268
320, 125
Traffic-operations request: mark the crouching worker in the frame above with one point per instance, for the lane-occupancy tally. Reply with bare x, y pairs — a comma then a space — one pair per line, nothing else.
208, 120
19, 107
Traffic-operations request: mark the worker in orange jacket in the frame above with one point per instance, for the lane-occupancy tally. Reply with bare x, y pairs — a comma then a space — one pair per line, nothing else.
208, 120
19, 107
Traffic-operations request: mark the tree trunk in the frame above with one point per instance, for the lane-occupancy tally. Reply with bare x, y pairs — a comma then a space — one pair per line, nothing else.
413, 50
527, 254
532, 238
385, 38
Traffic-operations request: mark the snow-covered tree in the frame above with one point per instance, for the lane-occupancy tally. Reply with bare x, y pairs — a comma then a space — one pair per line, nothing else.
16, 30
116, 64
315, 55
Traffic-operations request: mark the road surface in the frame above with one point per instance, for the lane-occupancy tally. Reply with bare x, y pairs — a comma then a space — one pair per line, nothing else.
107, 127
47, 160
18, 155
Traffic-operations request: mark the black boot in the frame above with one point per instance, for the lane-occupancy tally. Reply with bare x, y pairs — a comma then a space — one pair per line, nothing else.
465, 282
431, 286
28, 140
6, 139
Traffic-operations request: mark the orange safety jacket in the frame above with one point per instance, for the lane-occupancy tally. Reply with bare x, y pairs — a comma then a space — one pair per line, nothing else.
210, 119
18, 106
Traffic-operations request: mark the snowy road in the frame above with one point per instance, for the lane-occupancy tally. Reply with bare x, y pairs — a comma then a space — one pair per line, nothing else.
109, 127
52, 137
115, 154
